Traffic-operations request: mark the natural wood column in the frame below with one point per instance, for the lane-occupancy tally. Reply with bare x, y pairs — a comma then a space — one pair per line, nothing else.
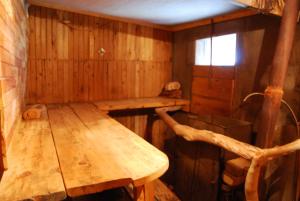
274, 92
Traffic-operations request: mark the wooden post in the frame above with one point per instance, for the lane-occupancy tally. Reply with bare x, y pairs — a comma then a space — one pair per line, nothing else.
144, 192
274, 92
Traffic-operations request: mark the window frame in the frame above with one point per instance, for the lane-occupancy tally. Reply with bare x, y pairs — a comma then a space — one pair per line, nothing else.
211, 50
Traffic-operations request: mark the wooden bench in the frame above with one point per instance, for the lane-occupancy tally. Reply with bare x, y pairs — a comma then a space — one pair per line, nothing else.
139, 103
33, 169
78, 151
98, 153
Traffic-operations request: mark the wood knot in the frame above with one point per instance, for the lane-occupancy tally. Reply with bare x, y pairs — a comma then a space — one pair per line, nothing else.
24, 174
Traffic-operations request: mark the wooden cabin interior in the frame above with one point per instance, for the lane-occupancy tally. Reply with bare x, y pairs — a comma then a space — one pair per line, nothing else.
149, 100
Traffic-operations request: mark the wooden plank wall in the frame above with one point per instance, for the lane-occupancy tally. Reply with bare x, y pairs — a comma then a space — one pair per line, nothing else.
234, 83
212, 90
65, 64
256, 36
13, 58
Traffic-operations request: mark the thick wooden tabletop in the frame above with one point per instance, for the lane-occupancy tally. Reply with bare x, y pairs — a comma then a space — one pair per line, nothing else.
138, 103
33, 169
97, 153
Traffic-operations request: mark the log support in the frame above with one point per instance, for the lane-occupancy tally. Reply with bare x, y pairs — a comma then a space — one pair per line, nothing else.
258, 157
144, 192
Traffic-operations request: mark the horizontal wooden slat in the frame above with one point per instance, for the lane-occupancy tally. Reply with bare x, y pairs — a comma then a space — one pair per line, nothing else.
219, 89
217, 72
203, 105
138, 103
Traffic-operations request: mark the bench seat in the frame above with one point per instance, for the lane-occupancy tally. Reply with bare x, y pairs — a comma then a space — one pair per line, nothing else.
33, 169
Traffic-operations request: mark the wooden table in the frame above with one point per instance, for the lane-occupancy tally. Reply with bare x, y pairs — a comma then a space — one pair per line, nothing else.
96, 152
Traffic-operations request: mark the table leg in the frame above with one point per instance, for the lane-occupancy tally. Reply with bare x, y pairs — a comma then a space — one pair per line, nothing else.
144, 192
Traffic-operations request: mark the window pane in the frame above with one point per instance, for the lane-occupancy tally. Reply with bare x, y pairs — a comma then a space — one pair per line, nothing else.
202, 53
224, 50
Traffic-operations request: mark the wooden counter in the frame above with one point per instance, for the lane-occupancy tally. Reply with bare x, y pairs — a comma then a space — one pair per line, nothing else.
139, 103
98, 153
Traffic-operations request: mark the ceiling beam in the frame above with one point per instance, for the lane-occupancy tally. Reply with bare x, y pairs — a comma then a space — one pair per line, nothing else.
222, 18
266, 6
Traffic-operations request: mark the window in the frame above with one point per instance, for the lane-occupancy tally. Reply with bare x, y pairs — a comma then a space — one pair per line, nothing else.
222, 52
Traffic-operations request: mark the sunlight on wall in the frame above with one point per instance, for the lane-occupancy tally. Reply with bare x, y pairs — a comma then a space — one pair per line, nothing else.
9, 7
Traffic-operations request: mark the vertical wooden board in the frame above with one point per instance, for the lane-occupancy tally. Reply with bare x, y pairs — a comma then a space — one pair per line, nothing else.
156, 47
32, 81
117, 41
137, 93
95, 30
76, 36
66, 81
71, 95
60, 36
49, 81
169, 50
81, 45
125, 54
105, 32
137, 41
85, 44
130, 78
131, 34
65, 45
55, 81
124, 81
76, 91
147, 79
148, 48
140, 42
91, 76
54, 35
81, 87
96, 80
71, 36
39, 72
43, 37
49, 14
105, 89
32, 33
142, 79
38, 33
118, 79
92, 49
60, 80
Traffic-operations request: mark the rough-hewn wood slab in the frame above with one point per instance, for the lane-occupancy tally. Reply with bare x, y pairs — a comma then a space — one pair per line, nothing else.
138, 103
275, 7
98, 153
33, 169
